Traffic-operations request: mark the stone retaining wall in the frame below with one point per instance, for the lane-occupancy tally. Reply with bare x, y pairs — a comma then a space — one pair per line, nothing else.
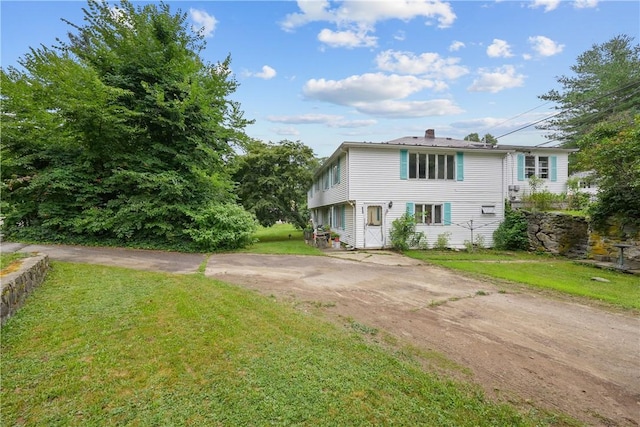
558, 233
18, 285
573, 237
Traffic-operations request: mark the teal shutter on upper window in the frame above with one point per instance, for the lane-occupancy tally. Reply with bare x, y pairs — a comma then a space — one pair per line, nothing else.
410, 208
447, 213
520, 167
339, 174
554, 168
460, 166
404, 164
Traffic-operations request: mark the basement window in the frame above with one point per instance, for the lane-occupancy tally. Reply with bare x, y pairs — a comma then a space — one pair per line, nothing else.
489, 209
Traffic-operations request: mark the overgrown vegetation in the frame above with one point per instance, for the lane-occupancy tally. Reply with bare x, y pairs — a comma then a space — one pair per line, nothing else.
184, 349
598, 112
403, 234
122, 135
511, 234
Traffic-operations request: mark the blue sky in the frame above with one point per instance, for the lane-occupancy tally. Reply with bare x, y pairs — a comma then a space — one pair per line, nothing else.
324, 72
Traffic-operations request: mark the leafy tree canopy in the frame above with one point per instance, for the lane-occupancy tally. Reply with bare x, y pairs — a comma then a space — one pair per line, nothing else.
605, 84
273, 179
121, 134
487, 138
612, 151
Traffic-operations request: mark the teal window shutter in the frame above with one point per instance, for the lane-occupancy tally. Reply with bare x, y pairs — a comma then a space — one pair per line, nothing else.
460, 166
339, 174
554, 168
447, 213
404, 164
344, 216
520, 167
410, 208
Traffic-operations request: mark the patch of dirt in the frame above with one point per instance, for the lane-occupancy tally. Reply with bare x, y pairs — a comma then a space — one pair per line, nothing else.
521, 346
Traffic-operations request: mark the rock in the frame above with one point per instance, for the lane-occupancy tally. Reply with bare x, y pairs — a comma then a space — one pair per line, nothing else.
600, 279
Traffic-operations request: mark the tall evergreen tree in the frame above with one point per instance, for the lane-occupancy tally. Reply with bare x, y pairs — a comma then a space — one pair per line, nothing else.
605, 85
121, 133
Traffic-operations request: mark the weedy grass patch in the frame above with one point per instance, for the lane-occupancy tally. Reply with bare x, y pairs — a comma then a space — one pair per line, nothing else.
544, 271
101, 345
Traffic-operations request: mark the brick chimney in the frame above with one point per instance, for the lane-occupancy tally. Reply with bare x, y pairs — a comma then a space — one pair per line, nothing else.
430, 133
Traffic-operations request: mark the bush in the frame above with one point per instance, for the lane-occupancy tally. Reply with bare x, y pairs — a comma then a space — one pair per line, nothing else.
511, 234
442, 242
403, 234
222, 227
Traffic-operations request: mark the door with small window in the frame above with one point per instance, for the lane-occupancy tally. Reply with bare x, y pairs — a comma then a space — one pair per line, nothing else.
373, 226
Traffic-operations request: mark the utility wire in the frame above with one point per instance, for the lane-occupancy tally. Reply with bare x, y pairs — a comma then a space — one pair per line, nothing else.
573, 107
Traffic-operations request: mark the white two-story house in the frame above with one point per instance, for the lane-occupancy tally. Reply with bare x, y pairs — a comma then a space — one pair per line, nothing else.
452, 187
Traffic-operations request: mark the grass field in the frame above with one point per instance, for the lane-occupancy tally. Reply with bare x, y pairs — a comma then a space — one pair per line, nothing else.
101, 345
281, 239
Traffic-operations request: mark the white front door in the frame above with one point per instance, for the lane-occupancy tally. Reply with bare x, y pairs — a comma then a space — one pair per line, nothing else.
373, 226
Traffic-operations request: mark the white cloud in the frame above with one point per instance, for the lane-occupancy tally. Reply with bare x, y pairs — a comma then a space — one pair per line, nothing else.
305, 119
409, 109
370, 87
499, 49
266, 73
286, 131
456, 46
400, 35
497, 80
426, 64
368, 13
329, 120
203, 23
348, 39
584, 4
548, 5
544, 46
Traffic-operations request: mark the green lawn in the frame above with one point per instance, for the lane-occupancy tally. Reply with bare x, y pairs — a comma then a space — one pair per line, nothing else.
282, 239
101, 345
543, 271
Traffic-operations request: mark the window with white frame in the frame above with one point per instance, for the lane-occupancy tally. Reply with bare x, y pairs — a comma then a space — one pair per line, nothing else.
428, 213
431, 166
338, 217
529, 166
327, 179
543, 167
335, 174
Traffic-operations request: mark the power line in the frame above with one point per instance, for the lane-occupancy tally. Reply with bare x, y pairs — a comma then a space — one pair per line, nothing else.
577, 106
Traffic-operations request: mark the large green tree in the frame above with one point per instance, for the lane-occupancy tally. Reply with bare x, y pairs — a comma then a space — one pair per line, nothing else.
273, 179
605, 84
612, 151
123, 134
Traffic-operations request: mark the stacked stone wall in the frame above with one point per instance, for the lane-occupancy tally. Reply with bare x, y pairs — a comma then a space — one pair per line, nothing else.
573, 237
557, 233
601, 243
16, 286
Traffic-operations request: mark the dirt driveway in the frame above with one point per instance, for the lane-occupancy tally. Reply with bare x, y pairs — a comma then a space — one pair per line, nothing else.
520, 345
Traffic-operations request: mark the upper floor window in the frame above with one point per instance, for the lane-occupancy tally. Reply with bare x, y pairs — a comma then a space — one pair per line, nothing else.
529, 166
431, 166
543, 167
